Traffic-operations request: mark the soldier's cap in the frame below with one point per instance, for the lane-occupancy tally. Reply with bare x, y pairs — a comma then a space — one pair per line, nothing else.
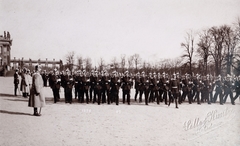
55, 69
228, 76
154, 73
67, 70
186, 74
177, 73
163, 73
143, 72
219, 76
114, 72
92, 71
96, 71
174, 74
84, 71
126, 72
78, 71
138, 73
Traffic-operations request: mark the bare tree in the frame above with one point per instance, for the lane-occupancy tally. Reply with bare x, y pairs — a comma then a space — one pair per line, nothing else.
70, 60
231, 41
204, 45
88, 64
130, 62
217, 49
175, 64
101, 64
236, 59
137, 60
80, 62
115, 64
188, 45
123, 62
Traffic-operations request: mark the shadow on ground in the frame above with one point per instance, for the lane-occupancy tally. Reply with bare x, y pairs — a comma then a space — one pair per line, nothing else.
7, 95
14, 113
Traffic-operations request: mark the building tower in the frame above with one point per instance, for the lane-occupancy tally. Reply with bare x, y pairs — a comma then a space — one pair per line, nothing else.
5, 49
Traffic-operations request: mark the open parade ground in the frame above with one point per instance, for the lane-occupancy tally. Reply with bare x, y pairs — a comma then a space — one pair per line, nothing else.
136, 124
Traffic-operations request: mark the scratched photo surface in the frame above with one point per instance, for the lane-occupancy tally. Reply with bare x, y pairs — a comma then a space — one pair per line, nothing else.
118, 36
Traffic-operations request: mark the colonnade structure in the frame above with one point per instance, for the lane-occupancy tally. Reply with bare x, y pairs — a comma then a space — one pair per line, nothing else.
29, 63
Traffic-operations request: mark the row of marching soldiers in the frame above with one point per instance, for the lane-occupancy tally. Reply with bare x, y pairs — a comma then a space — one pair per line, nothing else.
104, 88
155, 87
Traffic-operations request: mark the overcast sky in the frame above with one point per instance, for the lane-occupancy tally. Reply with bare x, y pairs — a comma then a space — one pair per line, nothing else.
154, 29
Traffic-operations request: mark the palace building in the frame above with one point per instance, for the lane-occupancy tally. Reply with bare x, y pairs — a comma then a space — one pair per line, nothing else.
5, 52
7, 64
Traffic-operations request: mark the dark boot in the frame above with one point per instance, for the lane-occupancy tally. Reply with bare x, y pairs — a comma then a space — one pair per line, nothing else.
35, 112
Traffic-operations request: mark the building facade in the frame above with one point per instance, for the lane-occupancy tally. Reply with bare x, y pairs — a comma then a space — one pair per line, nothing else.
5, 52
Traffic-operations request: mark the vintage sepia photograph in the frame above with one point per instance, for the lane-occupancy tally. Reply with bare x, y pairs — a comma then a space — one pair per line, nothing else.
120, 73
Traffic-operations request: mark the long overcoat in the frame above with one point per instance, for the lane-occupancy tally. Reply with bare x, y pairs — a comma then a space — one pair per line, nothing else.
37, 87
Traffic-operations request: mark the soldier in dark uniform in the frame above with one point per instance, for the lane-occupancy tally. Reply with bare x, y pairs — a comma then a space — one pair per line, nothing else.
207, 87
105, 87
171, 99
196, 88
174, 89
180, 82
160, 87
114, 91
186, 90
144, 88
45, 78
237, 88
75, 76
97, 88
190, 86
154, 89
228, 90
55, 84
137, 85
16, 82
126, 87
194, 91
219, 90
68, 85
78, 85
23, 84
91, 90
165, 86
85, 86
150, 77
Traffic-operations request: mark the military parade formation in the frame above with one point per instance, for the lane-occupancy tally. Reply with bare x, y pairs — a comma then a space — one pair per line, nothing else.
103, 87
